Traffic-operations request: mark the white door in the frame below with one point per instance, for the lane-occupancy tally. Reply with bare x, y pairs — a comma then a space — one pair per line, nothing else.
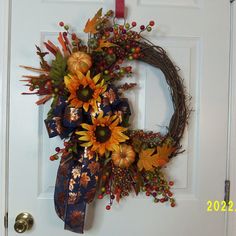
195, 33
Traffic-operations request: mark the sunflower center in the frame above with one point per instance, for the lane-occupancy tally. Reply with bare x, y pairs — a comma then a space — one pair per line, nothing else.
84, 94
102, 134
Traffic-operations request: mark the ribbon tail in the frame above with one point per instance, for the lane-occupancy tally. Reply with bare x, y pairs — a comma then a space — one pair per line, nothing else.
83, 192
75, 218
66, 197
61, 188
75, 187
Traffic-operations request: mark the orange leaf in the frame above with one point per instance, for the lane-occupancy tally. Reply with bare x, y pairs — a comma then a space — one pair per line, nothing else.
90, 26
105, 44
44, 100
163, 153
61, 41
51, 47
34, 70
147, 160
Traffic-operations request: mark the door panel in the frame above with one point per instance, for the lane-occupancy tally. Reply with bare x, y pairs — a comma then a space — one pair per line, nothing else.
196, 38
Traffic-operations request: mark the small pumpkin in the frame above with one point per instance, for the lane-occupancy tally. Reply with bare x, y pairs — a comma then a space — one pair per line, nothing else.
79, 61
124, 157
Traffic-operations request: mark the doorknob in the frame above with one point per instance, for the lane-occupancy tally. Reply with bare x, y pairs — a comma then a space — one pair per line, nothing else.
24, 221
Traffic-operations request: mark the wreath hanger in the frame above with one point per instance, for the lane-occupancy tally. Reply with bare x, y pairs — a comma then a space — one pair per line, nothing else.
120, 9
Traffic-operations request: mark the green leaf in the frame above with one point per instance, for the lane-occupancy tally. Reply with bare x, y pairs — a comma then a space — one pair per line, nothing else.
107, 161
58, 70
74, 149
53, 105
125, 121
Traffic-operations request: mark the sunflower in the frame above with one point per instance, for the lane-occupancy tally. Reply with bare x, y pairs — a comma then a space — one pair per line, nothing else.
103, 135
84, 91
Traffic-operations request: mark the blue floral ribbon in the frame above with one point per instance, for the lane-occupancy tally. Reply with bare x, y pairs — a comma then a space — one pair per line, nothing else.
75, 187
77, 174
64, 119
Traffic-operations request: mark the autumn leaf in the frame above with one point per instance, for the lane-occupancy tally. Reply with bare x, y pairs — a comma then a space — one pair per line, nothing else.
105, 44
43, 63
51, 47
91, 24
147, 160
84, 180
34, 69
163, 153
44, 100
63, 44
118, 194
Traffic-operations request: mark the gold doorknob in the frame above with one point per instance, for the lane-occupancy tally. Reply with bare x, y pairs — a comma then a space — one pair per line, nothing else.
24, 221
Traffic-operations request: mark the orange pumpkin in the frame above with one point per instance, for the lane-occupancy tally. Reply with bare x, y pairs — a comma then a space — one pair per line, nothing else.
124, 157
79, 61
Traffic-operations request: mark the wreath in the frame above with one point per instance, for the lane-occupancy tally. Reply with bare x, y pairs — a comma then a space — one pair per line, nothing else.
89, 111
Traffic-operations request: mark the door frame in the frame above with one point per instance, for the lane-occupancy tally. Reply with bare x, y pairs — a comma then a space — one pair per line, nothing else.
5, 20
232, 124
5, 38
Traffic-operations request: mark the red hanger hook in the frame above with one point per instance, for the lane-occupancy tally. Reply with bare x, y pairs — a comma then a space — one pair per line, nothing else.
120, 8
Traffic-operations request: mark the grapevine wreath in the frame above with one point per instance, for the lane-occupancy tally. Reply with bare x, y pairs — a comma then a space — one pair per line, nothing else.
90, 113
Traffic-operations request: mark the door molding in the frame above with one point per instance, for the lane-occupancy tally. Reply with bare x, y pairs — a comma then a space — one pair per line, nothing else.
5, 19
232, 138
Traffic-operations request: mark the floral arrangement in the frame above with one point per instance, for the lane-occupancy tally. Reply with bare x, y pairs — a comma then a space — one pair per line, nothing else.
89, 111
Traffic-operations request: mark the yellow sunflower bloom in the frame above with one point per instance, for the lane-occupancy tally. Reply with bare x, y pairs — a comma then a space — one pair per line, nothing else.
103, 135
84, 91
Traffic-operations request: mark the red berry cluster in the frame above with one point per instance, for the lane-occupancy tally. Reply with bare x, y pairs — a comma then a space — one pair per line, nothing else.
117, 183
148, 27
158, 187
148, 138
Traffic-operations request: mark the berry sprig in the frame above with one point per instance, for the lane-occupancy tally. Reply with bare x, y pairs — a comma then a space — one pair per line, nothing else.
156, 186
66, 151
117, 183
75, 43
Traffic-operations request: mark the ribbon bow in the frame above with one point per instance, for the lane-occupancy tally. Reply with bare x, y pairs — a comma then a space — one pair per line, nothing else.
78, 171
